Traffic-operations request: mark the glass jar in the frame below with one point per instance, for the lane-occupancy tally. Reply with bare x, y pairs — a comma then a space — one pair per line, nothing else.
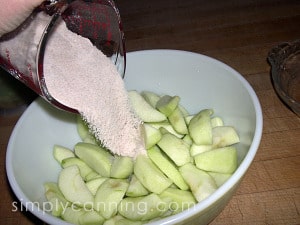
22, 51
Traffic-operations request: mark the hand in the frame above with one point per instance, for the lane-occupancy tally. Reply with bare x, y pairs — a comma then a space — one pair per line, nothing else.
14, 12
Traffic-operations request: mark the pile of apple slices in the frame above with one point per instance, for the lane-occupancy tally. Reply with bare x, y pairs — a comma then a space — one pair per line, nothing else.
188, 158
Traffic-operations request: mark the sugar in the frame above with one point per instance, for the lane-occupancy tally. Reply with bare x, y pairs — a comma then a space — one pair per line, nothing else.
80, 76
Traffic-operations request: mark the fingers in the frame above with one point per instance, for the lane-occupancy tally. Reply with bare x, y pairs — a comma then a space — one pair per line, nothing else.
14, 12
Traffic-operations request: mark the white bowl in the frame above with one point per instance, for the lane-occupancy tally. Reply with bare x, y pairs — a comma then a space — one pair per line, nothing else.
200, 81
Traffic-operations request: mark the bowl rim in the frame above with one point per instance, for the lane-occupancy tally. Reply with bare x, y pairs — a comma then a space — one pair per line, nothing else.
234, 179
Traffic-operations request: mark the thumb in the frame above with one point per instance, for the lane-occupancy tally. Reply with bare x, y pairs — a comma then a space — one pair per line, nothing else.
14, 12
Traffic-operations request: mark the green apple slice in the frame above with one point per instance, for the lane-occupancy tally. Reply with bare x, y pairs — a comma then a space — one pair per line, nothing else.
94, 156
60, 153
90, 139
167, 104
179, 200
136, 189
120, 220
188, 118
201, 183
166, 125
167, 167
92, 176
142, 208
187, 138
200, 127
55, 198
177, 120
220, 160
90, 217
175, 148
84, 169
151, 97
217, 121
143, 109
150, 175
109, 195
122, 167
197, 149
224, 136
183, 110
151, 135
73, 187
82, 127
72, 214
95, 183
220, 178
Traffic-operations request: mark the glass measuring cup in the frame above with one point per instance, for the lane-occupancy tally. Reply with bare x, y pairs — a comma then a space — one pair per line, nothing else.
22, 51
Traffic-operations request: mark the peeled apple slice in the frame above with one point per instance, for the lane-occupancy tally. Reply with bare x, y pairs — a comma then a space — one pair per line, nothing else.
151, 135
224, 136
167, 167
201, 183
200, 128
151, 97
95, 157
143, 109
176, 148
108, 196
73, 187
60, 153
150, 175
220, 160
177, 120
167, 104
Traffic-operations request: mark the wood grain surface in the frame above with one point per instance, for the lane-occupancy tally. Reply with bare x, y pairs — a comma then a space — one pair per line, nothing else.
240, 33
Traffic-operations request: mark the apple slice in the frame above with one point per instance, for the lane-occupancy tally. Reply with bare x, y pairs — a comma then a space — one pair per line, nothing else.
177, 120
90, 139
55, 198
166, 125
90, 217
84, 169
201, 183
72, 214
142, 208
187, 138
151, 135
94, 156
151, 97
143, 109
216, 121
73, 187
136, 189
109, 195
60, 153
224, 136
175, 148
183, 110
167, 104
220, 178
200, 127
220, 160
179, 200
95, 183
167, 167
120, 220
150, 175
122, 167
82, 127
197, 149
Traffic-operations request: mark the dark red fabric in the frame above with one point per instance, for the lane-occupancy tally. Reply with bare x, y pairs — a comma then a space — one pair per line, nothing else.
95, 21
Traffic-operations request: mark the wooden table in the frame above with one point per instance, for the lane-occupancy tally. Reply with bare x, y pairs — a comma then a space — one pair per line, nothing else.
239, 33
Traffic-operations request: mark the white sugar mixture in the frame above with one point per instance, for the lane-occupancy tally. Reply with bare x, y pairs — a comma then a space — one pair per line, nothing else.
80, 76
